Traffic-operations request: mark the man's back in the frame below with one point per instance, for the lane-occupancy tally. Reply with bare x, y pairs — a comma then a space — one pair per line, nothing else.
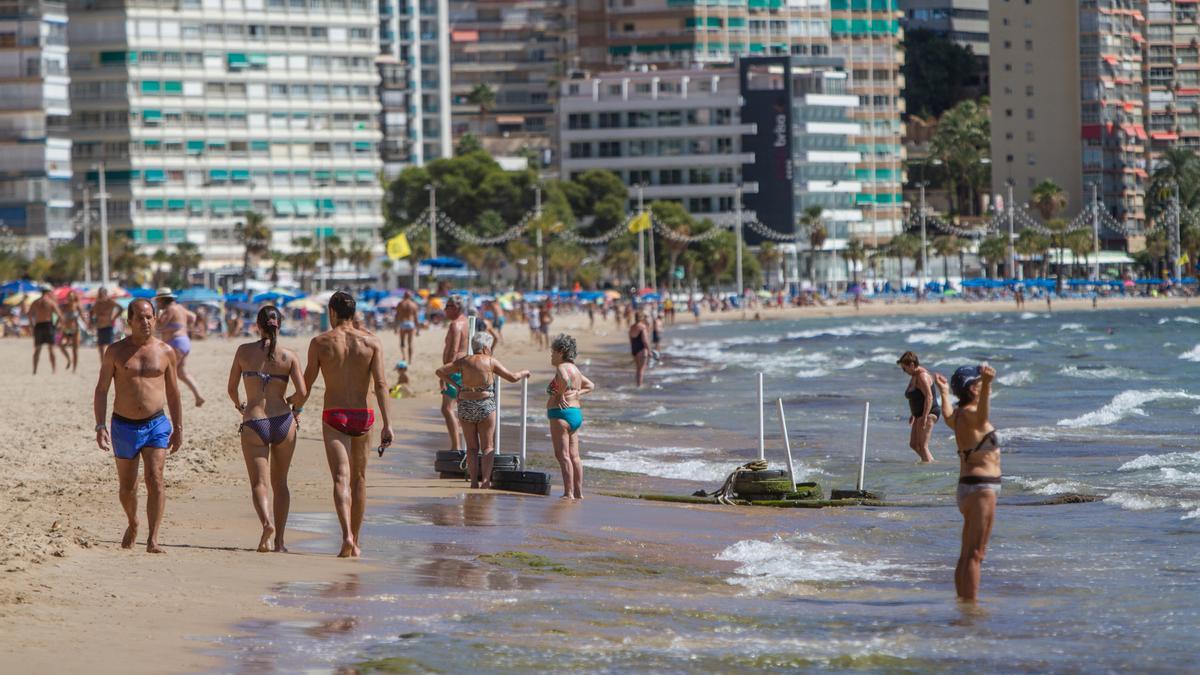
346, 357
406, 311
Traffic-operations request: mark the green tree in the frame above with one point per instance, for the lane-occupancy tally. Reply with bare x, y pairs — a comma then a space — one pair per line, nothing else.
770, 258
675, 217
962, 143
855, 254
817, 234
1080, 243
1048, 199
946, 245
905, 245
255, 237
992, 251
359, 256
1033, 243
483, 97
160, 258
186, 258
467, 143
1176, 168
938, 72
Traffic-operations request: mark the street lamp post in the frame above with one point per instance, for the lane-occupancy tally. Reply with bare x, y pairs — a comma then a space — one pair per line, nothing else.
1096, 231
103, 228
87, 234
737, 205
924, 258
641, 243
1012, 244
541, 270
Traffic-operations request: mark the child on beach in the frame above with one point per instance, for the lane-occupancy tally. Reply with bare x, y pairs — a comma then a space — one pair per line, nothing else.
400, 389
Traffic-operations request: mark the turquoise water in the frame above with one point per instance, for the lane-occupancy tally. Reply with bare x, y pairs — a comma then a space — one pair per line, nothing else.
1094, 403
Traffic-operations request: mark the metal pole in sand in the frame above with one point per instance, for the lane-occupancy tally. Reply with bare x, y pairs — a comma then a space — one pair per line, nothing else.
496, 441
787, 444
762, 448
862, 462
524, 418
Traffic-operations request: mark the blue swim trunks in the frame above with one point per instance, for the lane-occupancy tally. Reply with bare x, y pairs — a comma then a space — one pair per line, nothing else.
453, 386
129, 437
572, 416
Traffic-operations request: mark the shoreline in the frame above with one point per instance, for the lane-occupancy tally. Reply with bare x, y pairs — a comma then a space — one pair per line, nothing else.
64, 573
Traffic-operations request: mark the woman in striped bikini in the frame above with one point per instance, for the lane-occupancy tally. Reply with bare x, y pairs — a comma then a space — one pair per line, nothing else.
268, 426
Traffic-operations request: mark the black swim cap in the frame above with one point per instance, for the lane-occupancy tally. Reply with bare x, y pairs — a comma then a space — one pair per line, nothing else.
963, 378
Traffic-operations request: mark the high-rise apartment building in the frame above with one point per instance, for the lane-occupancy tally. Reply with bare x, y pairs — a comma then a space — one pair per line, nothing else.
35, 148
1173, 75
865, 34
1067, 102
201, 110
963, 22
415, 77
516, 48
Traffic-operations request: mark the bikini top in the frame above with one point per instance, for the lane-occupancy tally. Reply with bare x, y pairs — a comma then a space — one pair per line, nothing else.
990, 441
263, 376
552, 388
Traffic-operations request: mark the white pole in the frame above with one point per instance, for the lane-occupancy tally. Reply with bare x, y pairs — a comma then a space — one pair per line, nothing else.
641, 245
470, 330
741, 290
762, 448
496, 441
103, 229
524, 418
787, 444
1012, 245
1096, 231
924, 261
87, 234
541, 263
862, 462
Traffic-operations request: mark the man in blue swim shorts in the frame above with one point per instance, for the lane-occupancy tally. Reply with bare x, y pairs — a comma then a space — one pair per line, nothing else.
406, 324
146, 376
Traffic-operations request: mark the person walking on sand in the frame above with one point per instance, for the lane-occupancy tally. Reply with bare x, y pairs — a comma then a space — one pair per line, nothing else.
454, 348
923, 408
565, 413
42, 314
978, 467
639, 344
406, 324
72, 318
144, 370
174, 320
104, 317
350, 361
477, 374
268, 429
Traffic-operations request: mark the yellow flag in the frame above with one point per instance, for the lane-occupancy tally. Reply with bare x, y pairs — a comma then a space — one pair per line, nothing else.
640, 223
1183, 259
397, 247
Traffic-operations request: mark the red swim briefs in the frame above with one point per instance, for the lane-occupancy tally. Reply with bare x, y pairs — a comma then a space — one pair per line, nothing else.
349, 421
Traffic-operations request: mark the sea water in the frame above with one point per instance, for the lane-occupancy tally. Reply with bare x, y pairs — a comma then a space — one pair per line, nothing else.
1096, 403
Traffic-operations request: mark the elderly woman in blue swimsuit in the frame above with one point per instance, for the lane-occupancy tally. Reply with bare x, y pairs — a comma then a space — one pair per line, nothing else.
269, 422
978, 467
563, 410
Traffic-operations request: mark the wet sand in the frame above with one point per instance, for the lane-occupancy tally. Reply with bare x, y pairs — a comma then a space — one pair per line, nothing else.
70, 598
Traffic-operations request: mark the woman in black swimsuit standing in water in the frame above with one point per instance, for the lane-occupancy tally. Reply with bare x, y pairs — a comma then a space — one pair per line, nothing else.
923, 406
639, 345
978, 467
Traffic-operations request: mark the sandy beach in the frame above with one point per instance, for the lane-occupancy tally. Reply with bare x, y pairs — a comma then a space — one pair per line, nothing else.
71, 599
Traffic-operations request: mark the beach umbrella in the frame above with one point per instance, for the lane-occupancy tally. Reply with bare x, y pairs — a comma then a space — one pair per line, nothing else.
198, 294
390, 302
307, 304
322, 298
276, 296
135, 292
18, 286
444, 262
21, 298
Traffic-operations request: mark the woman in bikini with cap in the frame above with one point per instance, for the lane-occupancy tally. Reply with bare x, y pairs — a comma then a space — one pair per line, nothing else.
269, 425
979, 467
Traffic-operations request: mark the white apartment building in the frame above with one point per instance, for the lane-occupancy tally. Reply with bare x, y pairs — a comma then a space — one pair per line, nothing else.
677, 133
201, 110
35, 148
414, 66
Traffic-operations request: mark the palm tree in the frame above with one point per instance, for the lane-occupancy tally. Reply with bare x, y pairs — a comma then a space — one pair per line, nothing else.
622, 262
946, 245
255, 238
185, 259
905, 245
333, 251
811, 219
1031, 243
276, 258
962, 142
160, 258
520, 253
1059, 233
1080, 244
993, 250
303, 258
1177, 168
855, 254
1049, 199
359, 256
770, 257
484, 98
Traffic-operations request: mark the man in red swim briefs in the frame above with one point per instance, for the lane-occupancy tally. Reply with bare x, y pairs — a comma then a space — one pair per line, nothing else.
349, 360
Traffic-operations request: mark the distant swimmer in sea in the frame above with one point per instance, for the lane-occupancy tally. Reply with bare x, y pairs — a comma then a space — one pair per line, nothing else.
923, 409
269, 426
563, 409
639, 345
350, 361
143, 369
477, 375
978, 467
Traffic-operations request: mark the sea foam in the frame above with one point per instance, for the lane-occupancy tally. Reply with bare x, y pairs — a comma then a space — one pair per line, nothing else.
1126, 403
776, 565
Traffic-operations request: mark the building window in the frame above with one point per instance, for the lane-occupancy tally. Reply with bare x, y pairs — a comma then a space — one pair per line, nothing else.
670, 177
1029, 113
610, 120
579, 121
581, 150
610, 148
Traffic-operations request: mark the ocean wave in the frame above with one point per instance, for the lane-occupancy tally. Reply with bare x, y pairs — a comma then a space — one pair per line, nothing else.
1179, 319
1029, 315
858, 329
1167, 459
775, 565
929, 338
1192, 354
1071, 327
675, 463
1135, 502
852, 364
1049, 486
1017, 378
1126, 403
1104, 373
